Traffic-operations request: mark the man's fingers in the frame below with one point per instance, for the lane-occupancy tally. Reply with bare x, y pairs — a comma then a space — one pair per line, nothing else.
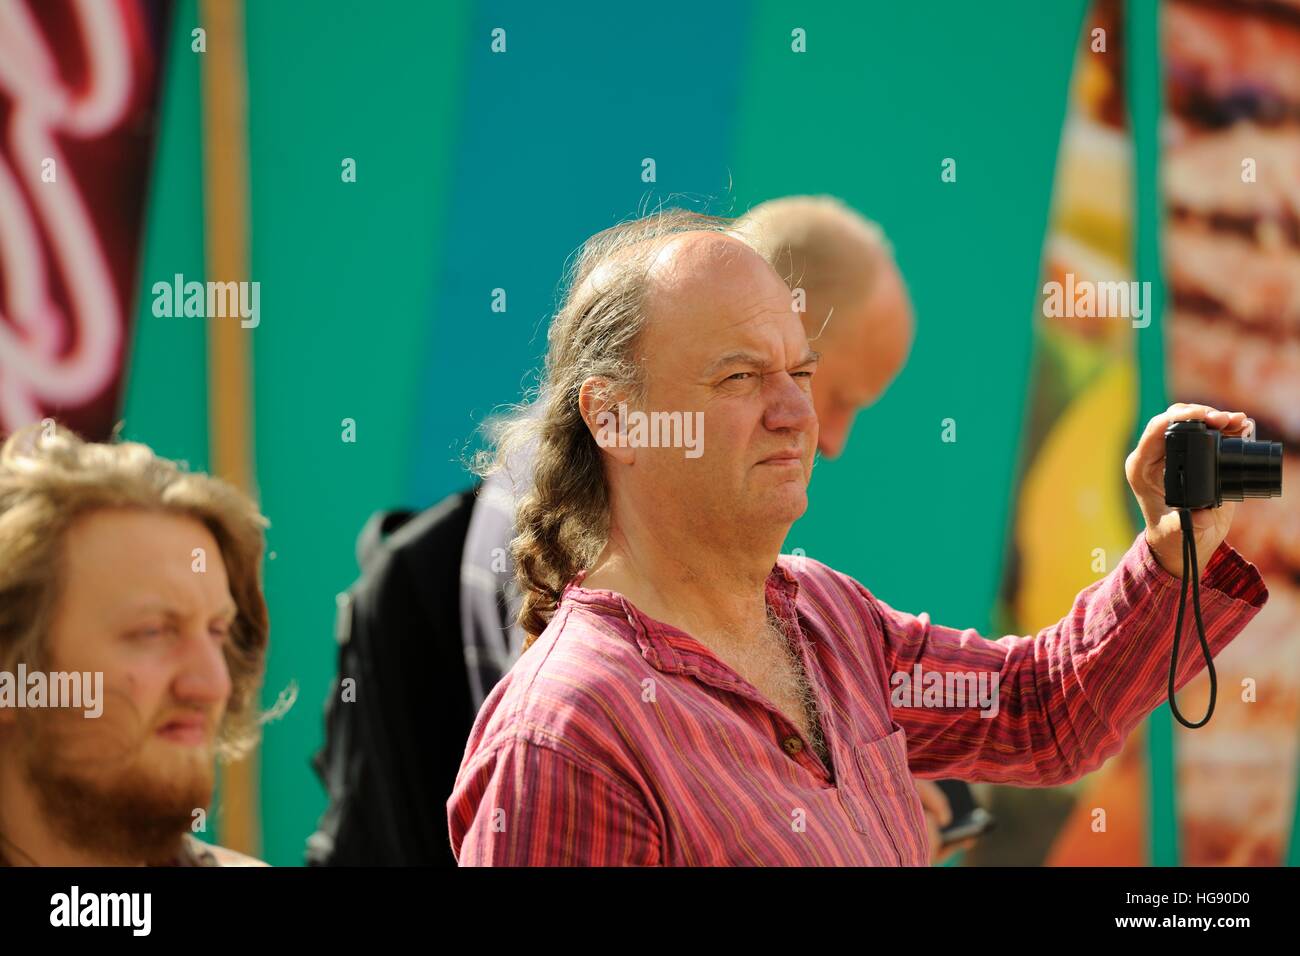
1186, 412
1243, 428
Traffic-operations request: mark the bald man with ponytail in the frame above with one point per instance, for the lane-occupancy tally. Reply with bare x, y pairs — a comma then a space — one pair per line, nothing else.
689, 696
563, 517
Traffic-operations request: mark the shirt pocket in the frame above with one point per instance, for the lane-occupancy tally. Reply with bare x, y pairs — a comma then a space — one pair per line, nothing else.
881, 800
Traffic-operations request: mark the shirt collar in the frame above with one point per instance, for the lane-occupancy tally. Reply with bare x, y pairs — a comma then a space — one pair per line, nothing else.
671, 649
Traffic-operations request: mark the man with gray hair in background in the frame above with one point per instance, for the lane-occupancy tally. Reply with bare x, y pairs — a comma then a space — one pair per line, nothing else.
854, 304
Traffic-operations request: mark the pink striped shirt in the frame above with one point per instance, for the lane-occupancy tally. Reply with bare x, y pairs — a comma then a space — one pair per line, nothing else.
617, 739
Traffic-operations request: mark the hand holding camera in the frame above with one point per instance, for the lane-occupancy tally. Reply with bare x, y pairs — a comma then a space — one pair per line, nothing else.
1254, 472
1191, 465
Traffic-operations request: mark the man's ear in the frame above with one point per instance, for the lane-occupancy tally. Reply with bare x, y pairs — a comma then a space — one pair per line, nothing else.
604, 411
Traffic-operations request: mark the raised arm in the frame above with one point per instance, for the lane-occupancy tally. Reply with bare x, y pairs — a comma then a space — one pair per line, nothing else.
1057, 704
1067, 698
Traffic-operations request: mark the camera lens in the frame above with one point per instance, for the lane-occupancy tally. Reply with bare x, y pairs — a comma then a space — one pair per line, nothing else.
1249, 469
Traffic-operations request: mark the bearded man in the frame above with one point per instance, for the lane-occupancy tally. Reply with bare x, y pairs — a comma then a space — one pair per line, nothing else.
118, 565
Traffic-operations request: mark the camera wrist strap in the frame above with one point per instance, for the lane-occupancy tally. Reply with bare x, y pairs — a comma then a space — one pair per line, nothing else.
1190, 568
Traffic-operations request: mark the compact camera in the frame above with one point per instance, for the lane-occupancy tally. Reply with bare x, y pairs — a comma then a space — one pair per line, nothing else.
1203, 469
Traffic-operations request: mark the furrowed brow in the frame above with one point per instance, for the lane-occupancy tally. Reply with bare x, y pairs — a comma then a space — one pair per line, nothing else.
738, 357
753, 360
811, 356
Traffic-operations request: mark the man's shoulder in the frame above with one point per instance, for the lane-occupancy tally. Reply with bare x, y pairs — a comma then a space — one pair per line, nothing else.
582, 672
829, 602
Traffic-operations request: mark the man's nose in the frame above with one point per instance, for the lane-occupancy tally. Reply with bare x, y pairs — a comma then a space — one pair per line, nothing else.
204, 677
789, 406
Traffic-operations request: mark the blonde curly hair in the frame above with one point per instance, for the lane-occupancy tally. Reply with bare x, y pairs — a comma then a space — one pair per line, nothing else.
49, 477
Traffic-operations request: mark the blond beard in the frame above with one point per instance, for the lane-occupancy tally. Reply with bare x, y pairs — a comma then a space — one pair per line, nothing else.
114, 805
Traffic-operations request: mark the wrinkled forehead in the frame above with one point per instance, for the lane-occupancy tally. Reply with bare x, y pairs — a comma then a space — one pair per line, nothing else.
709, 293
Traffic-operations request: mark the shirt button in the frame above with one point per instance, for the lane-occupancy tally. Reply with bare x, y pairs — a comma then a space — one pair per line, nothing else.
792, 745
